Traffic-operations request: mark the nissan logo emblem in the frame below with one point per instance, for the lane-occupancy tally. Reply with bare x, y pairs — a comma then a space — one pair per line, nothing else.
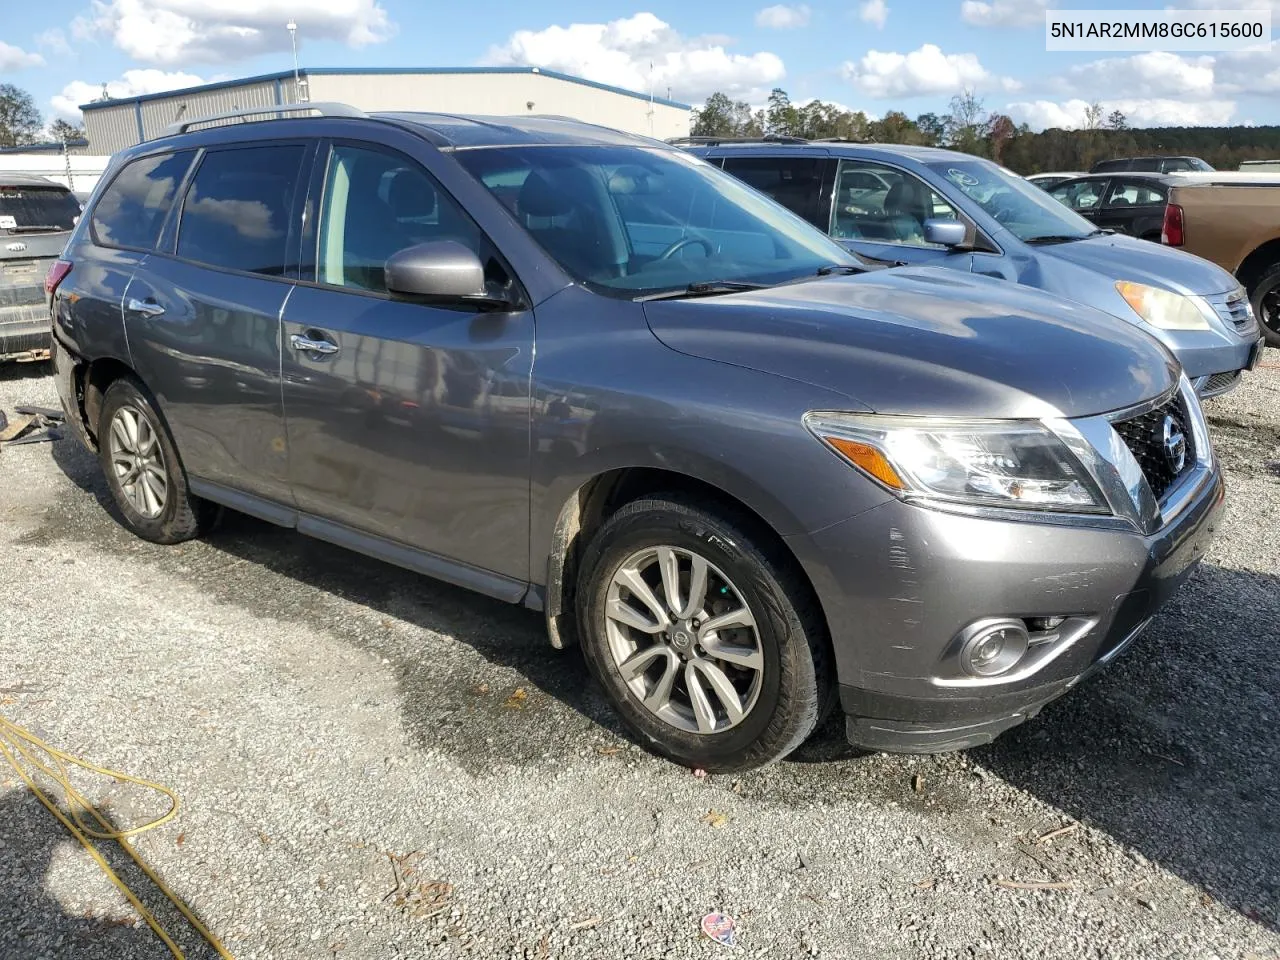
1174, 445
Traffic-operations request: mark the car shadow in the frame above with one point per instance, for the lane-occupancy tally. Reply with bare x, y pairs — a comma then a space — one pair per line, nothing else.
1173, 750
17, 372
37, 920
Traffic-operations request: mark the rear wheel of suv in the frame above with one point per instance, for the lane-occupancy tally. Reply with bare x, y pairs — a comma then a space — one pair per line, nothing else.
712, 649
143, 470
1266, 303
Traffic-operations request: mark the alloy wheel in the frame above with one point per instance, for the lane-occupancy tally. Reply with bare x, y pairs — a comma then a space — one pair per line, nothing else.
138, 462
683, 639
1269, 309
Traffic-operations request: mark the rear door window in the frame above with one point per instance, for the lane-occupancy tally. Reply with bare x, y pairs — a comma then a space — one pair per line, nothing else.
795, 182
133, 208
37, 209
1134, 194
236, 214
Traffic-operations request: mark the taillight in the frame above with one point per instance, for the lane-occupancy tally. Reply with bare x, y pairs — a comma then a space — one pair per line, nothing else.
58, 271
1171, 231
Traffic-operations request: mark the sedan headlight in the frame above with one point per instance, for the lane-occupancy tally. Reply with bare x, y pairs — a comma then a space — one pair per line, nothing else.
1001, 463
1166, 309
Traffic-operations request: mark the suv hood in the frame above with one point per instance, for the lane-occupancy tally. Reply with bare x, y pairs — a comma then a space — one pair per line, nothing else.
1127, 258
927, 342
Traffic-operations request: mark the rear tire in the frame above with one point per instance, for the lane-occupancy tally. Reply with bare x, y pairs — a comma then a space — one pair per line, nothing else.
753, 708
1265, 296
143, 470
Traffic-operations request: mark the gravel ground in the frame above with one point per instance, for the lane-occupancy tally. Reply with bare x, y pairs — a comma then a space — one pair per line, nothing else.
323, 716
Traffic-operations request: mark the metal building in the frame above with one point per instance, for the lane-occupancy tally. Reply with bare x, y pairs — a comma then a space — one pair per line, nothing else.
112, 125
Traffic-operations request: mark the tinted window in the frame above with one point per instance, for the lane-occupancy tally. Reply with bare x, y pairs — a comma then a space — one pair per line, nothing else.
132, 210
881, 204
631, 221
1131, 194
36, 208
376, 203
236, 214
795, 182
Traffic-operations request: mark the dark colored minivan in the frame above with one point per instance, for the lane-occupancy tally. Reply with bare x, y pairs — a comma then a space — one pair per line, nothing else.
1151, 165
589, 373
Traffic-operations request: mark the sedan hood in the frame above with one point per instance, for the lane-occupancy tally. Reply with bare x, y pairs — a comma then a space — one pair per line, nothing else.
1128, 258
927, 342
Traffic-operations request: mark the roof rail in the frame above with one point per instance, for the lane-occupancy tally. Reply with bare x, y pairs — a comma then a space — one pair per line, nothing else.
324, 109
716, 141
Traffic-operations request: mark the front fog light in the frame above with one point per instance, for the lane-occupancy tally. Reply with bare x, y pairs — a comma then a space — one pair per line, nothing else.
993, 647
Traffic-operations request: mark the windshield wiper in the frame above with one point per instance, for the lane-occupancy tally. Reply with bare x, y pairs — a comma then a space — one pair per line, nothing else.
708, 288
845, 268
1058, 238
38, 227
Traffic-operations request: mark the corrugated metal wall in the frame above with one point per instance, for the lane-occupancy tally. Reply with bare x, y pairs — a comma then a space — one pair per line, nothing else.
111, 128
158, 114
501, 93
115, 127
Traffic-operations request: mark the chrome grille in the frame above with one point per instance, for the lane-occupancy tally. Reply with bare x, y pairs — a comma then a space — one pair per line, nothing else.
1234, 309
1144, 436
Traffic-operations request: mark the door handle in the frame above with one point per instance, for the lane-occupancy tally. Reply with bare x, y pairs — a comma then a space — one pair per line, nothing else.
307, 345
148, 308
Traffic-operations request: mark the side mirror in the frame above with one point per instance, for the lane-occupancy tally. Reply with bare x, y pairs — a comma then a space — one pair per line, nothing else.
440, 270
948, 233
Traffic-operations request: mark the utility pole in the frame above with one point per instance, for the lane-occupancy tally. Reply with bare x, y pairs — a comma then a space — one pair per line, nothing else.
298, 90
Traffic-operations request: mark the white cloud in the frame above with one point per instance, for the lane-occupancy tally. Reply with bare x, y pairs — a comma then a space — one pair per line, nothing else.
133, 83
15, 58
171, 32
874, 12
1004, 13
54, 40
1154, 74
783, 17
1247, 72
924, 71
1139, 112
620, 53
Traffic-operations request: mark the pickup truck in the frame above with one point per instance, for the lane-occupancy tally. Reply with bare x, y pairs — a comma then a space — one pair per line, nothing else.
1232, 219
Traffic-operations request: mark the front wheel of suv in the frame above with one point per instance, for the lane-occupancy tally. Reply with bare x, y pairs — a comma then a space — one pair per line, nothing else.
143, 470
709, 644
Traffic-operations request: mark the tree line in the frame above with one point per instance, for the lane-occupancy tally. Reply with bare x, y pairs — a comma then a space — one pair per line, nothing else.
969, 127
21, 122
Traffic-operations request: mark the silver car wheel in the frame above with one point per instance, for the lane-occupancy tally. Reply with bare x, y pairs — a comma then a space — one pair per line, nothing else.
683, 639
138, 461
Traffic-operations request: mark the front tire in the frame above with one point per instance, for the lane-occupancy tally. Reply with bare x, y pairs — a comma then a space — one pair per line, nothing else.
143, 470
1266, 303
706, 639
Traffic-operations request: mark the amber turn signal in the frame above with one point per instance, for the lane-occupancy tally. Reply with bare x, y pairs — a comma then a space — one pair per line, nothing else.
868, 459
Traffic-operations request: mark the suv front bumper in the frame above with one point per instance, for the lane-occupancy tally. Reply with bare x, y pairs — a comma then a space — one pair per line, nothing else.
899, 582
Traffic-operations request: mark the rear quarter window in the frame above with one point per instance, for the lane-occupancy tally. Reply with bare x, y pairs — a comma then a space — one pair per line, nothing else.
133, 208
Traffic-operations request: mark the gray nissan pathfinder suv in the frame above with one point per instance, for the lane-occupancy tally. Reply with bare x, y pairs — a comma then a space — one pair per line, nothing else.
592, 374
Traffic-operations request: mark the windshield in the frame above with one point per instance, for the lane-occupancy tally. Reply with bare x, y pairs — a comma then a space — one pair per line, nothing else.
33, 207
633, 221
1022, 208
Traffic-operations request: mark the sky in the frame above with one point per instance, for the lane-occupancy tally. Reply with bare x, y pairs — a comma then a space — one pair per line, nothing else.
870, 55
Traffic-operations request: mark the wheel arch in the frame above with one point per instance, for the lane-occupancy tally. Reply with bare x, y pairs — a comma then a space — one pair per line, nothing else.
1255, 265
91, 379
592, 502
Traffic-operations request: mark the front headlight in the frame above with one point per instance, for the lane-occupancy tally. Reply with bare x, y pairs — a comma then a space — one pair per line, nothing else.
1001, 463
1166, 309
